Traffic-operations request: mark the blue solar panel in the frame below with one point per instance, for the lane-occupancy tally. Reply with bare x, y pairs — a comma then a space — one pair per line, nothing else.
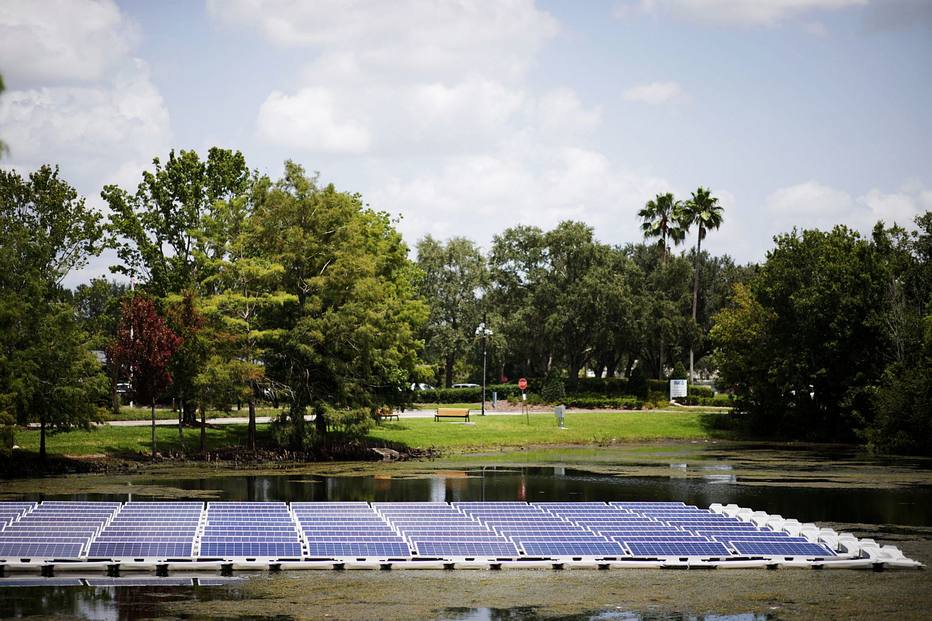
140, 548
466, 548
364, 548
660, 548
250, 549
40, 549
572, 548
775, 548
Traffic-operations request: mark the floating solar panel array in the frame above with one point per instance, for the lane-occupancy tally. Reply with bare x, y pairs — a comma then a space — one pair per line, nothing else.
347, 529
250, 529
436, 529
55, 529
313, 534
150, 530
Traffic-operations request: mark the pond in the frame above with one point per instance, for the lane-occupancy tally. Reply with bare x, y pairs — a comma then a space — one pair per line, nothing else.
888, 499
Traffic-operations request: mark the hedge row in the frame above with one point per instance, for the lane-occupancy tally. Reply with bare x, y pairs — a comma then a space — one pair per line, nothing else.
590, 388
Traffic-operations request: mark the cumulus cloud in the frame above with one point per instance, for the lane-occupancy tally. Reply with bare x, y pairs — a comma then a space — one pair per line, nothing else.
815, 205
62, 40
434, 40
733, 12
655, 93
479, 196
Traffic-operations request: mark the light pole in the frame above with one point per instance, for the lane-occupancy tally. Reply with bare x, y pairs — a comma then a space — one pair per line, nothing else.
485, 333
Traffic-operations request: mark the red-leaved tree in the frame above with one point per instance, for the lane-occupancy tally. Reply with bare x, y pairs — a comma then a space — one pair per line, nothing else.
143, 349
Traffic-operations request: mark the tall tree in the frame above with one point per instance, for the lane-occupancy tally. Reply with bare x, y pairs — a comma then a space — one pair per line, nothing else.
659, 219
144, 346
97, 308
351, 339
168, 228
46, 372
704, 211
160, 227
453, 272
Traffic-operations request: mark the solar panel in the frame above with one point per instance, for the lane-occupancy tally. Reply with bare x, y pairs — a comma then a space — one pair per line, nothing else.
274, 549
677, 548
572, 548
466, 548
361, 548
774, 548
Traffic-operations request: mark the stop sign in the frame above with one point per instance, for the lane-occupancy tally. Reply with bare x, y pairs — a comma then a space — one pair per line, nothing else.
522, 384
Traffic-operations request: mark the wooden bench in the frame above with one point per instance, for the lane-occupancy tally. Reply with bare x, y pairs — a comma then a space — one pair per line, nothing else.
385, 413
451, 413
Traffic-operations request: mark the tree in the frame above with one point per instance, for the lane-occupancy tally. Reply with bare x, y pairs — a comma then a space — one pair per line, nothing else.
703, 210
187, 322
659, 219
161, 225
452, 274
47, 374
249, 289
351, 339
144, 346
97, 309
804, 345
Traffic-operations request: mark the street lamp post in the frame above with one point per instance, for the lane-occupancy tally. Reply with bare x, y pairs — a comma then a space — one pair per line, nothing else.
485, 333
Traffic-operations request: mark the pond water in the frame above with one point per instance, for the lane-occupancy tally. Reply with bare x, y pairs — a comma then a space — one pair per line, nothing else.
878, 497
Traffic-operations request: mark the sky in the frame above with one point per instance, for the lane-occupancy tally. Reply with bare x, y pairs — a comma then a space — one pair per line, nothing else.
465, 117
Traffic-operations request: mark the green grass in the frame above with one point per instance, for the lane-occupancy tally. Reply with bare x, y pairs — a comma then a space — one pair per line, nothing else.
144, 413
490, 432
110, 440
596, 428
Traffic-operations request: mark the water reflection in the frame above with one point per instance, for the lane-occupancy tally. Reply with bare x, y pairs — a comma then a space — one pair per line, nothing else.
910, 506
530, 613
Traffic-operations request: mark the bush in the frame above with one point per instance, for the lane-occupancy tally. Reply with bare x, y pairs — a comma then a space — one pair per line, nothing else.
465, 395
679, 371
638, 385
554, 390
601, 401
611, 386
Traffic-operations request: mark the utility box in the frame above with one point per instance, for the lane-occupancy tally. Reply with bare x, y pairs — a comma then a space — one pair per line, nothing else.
560, 413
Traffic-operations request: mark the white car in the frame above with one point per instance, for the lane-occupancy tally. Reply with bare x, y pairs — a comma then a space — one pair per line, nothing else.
417, 386
466, 386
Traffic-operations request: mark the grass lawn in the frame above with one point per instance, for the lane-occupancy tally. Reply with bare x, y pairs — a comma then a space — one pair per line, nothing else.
109, 440
490, 432
144, 413
582, 428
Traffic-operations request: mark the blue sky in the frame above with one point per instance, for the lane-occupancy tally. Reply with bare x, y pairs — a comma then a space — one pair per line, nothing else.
467, 117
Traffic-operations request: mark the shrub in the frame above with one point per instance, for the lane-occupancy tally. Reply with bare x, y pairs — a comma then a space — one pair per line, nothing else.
679, 371
554, 390
638, 385
611, 386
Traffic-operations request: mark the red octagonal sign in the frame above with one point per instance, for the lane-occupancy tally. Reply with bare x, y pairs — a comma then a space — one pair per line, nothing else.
522, 384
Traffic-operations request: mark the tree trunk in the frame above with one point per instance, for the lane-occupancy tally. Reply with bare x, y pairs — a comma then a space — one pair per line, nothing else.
251, 436
448, 371
203, 429
181, 422
695, 298
320, 420
114, 396
660, 370
297, 422
41, 441
153, 429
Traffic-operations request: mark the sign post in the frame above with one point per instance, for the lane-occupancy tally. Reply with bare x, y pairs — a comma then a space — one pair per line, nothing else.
522, 384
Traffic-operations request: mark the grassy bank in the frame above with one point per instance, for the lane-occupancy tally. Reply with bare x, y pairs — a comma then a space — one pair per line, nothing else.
596, 428
144, 413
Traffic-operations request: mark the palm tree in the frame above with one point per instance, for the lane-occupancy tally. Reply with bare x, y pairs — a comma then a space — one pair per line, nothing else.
658, 219
703, 210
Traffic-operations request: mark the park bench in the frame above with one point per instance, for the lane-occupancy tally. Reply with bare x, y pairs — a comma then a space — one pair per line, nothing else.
451, 413
385, 414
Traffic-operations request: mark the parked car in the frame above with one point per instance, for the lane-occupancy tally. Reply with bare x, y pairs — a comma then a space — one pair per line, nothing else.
466, 386
421, 386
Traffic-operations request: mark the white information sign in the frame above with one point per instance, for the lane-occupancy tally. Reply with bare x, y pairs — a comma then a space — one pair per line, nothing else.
677, 388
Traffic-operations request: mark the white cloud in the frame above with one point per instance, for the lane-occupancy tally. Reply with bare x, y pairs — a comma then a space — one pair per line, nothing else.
310, 120
62, 40
655, 93
814, 205
733, 12
435, 40
479, 196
